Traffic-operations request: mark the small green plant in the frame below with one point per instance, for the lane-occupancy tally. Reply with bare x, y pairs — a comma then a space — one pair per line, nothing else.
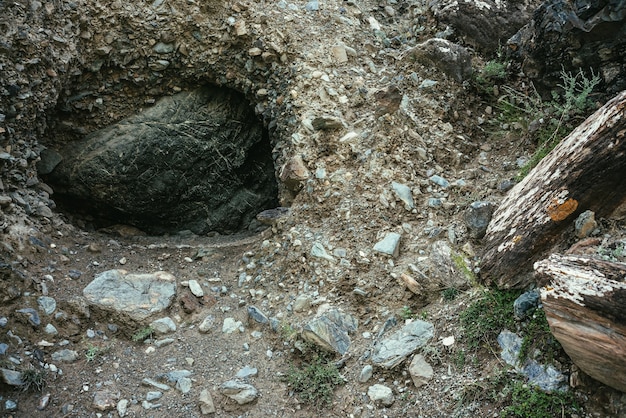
492, 73
492, 312
537, 335
315, 382
34, 379
459, 359
530, 402
613, 252
92, 352
406, 313
142, 334
450, 293
288, 332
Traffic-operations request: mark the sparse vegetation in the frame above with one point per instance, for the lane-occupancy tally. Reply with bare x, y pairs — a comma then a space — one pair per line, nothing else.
487, 316
34, 379
406, 313
92, 352
530, 402
450, 293
142, 334
537, 335
314, 383
461, 264
546, 122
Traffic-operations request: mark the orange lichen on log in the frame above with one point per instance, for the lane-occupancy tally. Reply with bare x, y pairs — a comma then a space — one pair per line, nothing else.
558, 209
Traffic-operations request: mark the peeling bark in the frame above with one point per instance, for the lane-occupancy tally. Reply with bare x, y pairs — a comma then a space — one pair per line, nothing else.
586, 171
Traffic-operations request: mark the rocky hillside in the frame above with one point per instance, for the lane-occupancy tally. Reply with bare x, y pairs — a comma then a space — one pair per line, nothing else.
373, 139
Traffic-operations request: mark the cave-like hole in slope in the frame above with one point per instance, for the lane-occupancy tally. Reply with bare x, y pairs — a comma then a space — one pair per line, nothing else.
199, 161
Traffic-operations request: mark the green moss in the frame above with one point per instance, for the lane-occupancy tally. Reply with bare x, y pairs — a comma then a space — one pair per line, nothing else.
461, 265
530, 402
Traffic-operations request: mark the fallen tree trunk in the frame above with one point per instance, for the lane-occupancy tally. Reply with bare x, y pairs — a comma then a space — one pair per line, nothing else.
585, 304
586, 171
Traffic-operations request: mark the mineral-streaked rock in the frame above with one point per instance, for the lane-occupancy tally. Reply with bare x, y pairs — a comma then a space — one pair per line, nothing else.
330, 331
393, 350
132, 297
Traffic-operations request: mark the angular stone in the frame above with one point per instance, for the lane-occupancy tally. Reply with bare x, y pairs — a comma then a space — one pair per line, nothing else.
184, 384
366, 373
104, 400
449, 267
163, 325
256, 315
241, 392
31, 315
246, 372
151, 382
389, 245
404, 193
318, 250
585, 224
231, 325
206, 402
393, 350
47, 304
131, 297
421, 372
294, 173
525, 304
448, 57
11, 377
330, 331
65, 355
477, 217
380, 393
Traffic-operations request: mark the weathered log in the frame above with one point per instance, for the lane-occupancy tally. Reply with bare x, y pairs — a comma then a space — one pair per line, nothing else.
586, 171
585, 304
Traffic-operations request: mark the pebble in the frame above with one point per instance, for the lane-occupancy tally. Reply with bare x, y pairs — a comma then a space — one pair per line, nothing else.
10, 405
3, 348
122, 407
241, 392
404, 193
206, 402
32, 315
302, 303
380, 393
318, 250
247, 372
150, 382
50, 329
104, 400
525, 304
389, 245
366, 373
255, 314
3, 321
440, 181
184, 384
585, 224
421, 372
207, 324
65, 355
163, 325
152, 395
231, 325
176, 375
75, 274
477, 217
195, 288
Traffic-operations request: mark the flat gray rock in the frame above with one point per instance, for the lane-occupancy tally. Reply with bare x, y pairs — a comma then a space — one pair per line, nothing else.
393, 350
241, 392
132, 297
389, 245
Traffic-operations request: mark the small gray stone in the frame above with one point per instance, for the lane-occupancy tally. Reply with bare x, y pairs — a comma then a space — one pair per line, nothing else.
230, 326
440, 181
65, 355
246, 372
3, 322
302, 303
477, 218
318, 250
255, 314
585, 224
176, 375
3, 348
326, 123
163, 48
366, 373
206, 402
163, 325
122, 407
47, 304
104, 400
389, 245
404, 193
525, 304
152, 395
380, 393
32, 315
195, 288
241, 392
207, 324
11, 377
150, 382
184, 384
50, 329
163, 342
10, 405
421, 372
